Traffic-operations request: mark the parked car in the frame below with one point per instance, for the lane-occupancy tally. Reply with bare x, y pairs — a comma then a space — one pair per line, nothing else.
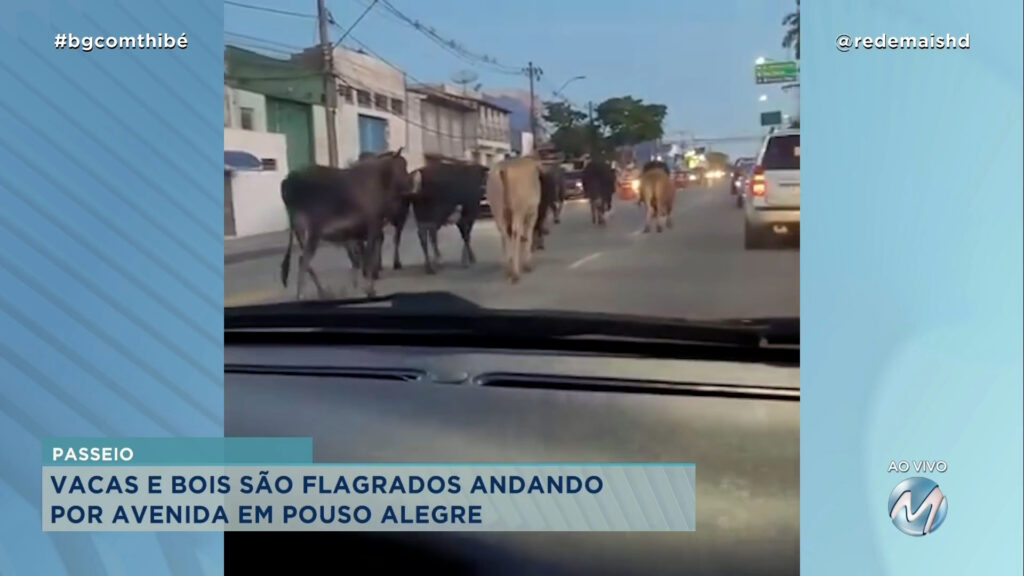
772, 205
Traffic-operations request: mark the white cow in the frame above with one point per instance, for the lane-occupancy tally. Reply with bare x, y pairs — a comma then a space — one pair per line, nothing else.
514, 193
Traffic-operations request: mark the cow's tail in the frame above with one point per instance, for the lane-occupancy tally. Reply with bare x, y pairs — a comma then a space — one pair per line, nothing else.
286, 264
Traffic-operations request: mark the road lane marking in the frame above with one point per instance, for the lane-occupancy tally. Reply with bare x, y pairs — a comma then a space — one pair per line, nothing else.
585, 259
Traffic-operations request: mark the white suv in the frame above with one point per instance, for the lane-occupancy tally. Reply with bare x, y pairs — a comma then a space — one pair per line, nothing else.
772, 205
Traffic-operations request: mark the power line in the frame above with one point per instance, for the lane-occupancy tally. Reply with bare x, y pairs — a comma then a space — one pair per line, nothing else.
354, 24
270, 10
450, 45
264, 40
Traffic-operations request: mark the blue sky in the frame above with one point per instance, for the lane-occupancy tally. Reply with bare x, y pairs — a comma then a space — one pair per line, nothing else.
696, 57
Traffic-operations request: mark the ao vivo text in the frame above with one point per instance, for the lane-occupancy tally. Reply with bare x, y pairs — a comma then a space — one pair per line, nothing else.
919, 466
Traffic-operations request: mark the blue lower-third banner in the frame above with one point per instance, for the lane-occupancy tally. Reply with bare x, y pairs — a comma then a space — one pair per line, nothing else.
272, 484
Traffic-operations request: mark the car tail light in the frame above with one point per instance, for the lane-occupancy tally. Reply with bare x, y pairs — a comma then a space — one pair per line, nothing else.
758, 186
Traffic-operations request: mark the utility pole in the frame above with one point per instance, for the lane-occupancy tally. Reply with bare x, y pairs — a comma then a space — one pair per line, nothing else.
330, 86
593, 129
533, 114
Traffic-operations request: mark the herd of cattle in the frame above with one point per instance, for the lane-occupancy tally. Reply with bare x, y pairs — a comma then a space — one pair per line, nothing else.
352, 207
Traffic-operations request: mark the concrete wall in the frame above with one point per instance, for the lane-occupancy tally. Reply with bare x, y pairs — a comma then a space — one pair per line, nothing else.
257, 195
238, 99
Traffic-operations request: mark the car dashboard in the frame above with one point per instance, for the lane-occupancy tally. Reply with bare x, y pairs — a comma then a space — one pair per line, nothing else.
738, 421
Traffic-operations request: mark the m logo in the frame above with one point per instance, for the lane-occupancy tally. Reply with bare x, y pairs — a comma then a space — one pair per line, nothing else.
917, 506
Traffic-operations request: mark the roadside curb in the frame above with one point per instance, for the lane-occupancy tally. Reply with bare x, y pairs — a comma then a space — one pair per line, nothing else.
253, 254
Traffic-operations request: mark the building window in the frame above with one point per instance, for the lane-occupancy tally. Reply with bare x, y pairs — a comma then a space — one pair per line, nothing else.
247, 118
347, 93
380, 102
397, 107
269, 163
364, 98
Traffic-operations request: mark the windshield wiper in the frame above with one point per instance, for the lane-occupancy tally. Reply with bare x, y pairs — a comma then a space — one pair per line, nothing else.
444, 313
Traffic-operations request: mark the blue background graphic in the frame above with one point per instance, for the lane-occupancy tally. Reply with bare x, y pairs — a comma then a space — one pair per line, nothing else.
111, 267
911, 285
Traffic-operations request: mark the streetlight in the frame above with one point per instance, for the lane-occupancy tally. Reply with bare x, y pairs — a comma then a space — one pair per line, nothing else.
762, 98
760, 60
567, 82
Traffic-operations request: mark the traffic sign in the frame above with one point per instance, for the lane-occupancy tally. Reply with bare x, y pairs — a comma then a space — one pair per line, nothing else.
777, 72
773, 118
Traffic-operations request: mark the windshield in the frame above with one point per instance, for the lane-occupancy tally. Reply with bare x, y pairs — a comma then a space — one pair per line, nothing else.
424, 181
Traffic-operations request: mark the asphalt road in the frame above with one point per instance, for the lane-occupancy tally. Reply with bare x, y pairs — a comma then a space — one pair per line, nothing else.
698, 269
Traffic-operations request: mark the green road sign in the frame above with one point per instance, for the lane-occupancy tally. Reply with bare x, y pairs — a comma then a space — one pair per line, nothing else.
771, 118
777, 72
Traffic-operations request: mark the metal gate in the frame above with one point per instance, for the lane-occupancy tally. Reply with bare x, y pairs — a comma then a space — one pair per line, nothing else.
373, 135
295, 121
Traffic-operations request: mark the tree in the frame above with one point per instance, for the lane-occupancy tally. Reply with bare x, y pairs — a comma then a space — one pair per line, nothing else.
562, 114
621, 121
570, 134
626, 120
792, 24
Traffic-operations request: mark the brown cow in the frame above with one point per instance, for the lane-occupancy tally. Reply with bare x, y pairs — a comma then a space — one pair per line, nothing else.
514, 193
657, 193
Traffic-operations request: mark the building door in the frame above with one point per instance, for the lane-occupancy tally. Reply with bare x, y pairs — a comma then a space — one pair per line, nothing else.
373, 134
229, 206
295, 121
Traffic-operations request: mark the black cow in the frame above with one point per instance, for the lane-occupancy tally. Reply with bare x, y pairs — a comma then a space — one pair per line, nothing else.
447, 194
344, 206
559, 183
599, 187
551, 189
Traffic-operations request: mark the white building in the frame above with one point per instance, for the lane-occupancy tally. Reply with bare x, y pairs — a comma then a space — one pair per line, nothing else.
485, 127
252, 198
373, 112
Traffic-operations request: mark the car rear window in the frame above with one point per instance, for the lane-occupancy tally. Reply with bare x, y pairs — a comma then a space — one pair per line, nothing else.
782, 153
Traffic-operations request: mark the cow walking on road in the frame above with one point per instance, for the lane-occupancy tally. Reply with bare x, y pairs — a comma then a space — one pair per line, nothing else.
552, 189
557, 182
657, 194
598, 179
447, 194
514, 193
344, 206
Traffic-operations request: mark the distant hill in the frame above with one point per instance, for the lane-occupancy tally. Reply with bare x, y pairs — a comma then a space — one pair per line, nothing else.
518, 102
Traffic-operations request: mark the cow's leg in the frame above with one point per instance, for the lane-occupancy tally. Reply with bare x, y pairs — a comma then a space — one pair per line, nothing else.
659, 216
466, 230
515, 253
399, 224
423, 231
535, 237
355, 257
371, 258
305, 258
532, 233
433, 242
649, 217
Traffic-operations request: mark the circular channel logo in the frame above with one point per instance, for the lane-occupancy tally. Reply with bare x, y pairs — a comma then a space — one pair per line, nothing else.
917, 506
